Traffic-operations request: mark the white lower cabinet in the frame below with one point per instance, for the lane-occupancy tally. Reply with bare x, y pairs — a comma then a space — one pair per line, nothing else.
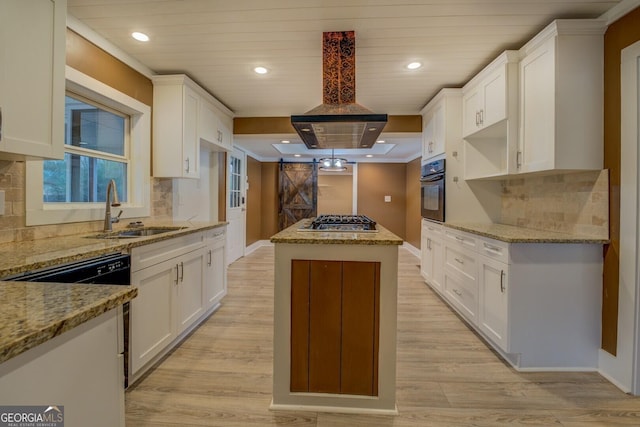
493, 306
537, 304
81, 369
152, 315
180, 281
461, 279
214, 273
431, 263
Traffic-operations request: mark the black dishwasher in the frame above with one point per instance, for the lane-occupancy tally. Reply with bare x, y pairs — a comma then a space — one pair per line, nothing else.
113, 269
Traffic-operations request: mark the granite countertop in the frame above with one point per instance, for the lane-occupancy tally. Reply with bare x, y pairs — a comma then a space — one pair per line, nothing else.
293, 235
512, 234
19, 257
33, 313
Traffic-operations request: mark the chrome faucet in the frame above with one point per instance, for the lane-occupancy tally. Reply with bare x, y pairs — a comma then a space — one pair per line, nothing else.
108, 220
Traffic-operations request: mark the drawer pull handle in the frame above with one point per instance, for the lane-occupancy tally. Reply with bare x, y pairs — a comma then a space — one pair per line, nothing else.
177, 274
209, 262
182, 271
429, 244
492, 248
459, 239
459, 260
457, 292
502, 288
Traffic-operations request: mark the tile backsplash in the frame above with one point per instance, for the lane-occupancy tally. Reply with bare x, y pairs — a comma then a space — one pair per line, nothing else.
12, 223
576, 203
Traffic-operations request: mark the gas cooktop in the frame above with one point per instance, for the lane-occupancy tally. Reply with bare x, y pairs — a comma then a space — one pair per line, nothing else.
344, 223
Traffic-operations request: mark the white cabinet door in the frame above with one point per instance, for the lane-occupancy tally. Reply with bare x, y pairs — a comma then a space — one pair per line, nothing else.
494, 89
32, 84
432, 267
226, 136
471, 105
428, 133
190, 298
207, 122
152, 312
493, 313
190, 143
537, 109
215, 277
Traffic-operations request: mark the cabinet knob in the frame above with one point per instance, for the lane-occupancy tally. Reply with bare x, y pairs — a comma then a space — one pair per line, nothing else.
460, 261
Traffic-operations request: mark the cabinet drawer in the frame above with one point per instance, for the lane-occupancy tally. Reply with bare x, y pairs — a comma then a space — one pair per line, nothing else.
465, 240
148, 255
431, 229
463, 295
494, 249
461, 262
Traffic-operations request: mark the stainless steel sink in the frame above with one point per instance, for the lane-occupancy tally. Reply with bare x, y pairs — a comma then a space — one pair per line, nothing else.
135, 232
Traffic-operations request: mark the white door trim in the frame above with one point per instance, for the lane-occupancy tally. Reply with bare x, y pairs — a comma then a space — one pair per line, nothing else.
624, 368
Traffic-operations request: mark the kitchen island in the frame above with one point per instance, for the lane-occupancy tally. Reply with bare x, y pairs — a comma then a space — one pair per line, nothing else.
335, 320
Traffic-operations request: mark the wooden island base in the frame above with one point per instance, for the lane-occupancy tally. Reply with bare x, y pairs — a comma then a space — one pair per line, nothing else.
335, 321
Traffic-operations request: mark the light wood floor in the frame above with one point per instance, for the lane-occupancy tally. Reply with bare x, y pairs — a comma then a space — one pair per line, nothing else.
447, 376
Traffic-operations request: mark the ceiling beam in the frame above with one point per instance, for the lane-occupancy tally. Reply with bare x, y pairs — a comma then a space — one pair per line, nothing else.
282, 125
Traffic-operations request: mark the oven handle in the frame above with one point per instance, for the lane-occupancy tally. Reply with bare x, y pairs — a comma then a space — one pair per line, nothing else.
432, 178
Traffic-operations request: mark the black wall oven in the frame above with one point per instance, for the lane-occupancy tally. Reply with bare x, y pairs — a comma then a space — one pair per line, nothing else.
432, 181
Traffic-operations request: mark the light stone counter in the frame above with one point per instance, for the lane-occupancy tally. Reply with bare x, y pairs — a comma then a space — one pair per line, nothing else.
33, 313
293, 235
31, 255
512, 234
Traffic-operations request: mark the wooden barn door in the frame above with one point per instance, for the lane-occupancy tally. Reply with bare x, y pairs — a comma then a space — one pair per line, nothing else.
298, 192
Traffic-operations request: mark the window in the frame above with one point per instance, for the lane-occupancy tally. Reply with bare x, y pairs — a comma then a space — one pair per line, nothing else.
235, 185
96, 151
107, 136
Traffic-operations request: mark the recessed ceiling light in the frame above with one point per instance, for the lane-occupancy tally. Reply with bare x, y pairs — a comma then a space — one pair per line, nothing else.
381, 141
414, 65
285, 141
369, 155
296, 155
141, 37
261, 70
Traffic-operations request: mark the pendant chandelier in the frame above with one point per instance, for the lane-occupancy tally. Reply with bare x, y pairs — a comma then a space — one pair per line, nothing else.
333, 164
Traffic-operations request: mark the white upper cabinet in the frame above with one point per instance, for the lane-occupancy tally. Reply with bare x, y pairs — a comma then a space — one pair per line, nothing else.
438, 122
489, 119
561, 98
213, 128
491, 96
32, 85
175, 128
184, 116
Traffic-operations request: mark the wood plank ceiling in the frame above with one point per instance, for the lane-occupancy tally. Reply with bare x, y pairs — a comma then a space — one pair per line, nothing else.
219, 42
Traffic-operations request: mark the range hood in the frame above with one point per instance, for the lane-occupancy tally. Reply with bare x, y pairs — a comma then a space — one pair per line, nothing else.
339, 122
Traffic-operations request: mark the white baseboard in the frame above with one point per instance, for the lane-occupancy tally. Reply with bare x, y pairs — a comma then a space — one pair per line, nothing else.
408, 246
256, 245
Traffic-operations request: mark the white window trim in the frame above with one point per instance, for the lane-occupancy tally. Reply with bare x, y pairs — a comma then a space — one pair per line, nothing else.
139, 203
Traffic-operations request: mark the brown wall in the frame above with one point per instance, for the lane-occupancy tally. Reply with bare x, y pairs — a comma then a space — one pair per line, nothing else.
335, 194
254, 200
619, 35
413, 219
269, 208
376, 180
89, 59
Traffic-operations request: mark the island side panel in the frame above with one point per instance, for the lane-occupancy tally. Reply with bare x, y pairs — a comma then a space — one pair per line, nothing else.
283, 398
360, 316
300, 325
325, 306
